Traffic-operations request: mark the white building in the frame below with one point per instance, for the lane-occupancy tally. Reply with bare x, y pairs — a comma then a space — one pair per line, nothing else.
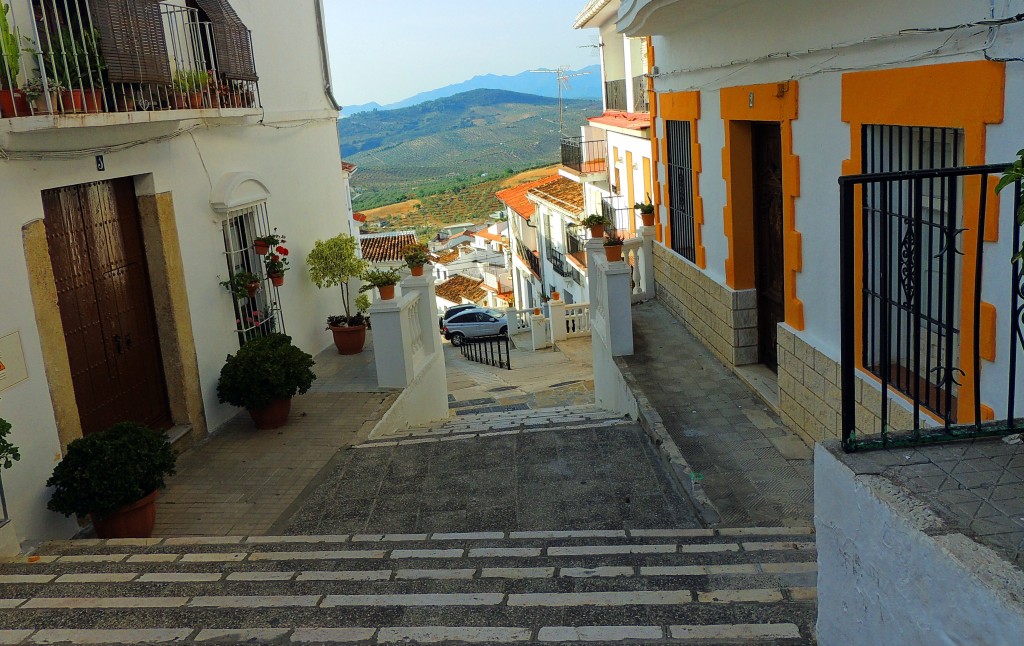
127, 200
524, 243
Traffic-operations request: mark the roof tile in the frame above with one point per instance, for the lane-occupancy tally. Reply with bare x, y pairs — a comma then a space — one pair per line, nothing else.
459, 287
386, 247
515, 197
563, 193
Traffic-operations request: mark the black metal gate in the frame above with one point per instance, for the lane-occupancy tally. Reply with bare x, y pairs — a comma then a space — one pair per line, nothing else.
491, 350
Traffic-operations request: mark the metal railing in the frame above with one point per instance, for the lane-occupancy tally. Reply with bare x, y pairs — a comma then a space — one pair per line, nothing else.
641, 102
616, 211
558, 261
585, 156
615, 95
527, 256
488, 350
59, 65
917, 250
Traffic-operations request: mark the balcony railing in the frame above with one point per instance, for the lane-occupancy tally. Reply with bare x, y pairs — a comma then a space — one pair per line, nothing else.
640, 99
558, 262
77, 57
527, 256
615, 95
585, 156
616, 211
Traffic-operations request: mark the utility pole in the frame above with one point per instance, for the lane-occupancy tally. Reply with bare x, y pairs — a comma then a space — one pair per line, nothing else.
562, 77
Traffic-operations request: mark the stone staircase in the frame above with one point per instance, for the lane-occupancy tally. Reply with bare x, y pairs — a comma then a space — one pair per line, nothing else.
686, 586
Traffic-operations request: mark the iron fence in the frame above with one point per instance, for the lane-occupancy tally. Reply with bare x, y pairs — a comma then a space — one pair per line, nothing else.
558, 261
912, 266
616, 212
527, 256
488, 350
615, 95
584, 156
641, 102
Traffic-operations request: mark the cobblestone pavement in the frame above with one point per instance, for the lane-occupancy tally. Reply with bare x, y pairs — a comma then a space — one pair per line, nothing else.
241, 480
755, 471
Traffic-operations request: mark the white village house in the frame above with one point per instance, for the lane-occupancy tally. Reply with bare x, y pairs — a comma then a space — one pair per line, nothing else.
127, 200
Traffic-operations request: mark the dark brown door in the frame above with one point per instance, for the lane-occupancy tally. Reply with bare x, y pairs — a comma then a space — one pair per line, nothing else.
106, 305
768, 254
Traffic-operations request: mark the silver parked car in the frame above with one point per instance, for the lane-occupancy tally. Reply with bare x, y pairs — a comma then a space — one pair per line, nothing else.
476, 322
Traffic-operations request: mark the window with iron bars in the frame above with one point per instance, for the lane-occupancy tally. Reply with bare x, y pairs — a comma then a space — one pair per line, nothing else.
260, 314
680, 188
911, 241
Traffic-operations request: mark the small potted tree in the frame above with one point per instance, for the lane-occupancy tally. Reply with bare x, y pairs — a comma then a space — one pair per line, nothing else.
613, 248
114, 476
276, 263
242, 284
334, 263
416, 255
263, 376
384, 280
596, 222
646, 212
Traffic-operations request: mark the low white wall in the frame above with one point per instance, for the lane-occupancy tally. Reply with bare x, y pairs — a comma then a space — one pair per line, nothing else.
610, 389
420, 403
891, 572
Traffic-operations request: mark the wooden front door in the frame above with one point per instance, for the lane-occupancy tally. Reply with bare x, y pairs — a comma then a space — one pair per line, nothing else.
768, 253
106, 306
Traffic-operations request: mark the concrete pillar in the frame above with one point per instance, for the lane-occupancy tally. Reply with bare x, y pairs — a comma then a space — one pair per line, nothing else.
557, 309
539, 334
647, 234
392, 347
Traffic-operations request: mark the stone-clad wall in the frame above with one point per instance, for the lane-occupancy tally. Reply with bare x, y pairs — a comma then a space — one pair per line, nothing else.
723, 319
810, 396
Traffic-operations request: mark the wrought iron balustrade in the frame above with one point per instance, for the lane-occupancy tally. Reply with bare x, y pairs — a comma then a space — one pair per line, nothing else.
616, 211
912, 263
490, 350
558, 261
103, 56
527, 256
641, 102
615, 95
585, 156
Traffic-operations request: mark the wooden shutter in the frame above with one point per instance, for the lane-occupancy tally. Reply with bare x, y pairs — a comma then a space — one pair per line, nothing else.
231, 39
132, 40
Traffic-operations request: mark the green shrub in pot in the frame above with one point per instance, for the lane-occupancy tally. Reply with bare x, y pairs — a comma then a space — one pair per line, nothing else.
263, 370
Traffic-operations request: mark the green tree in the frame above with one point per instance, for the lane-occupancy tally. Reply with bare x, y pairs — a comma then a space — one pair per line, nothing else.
333, 263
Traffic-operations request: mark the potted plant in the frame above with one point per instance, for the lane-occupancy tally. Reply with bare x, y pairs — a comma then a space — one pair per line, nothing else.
335, 263
12, 99
263, 376
242, 284
555, 295
276, 263
646, 211
613, 248
262, 244
596, 223
36, 97
416, 255
91, 81
350, 331
384, 280
114, 476
189, 86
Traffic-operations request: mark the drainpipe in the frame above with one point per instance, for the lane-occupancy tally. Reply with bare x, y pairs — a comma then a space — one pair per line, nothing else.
325, 64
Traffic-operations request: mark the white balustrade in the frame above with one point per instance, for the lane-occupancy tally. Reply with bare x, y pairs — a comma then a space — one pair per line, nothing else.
519, 320
610, 300
577, 320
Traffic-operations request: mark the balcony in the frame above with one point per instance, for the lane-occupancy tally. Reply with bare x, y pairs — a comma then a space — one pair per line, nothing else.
528, 257
558, 262
616, 211
81, 60
640, 98
615, 95
585, 158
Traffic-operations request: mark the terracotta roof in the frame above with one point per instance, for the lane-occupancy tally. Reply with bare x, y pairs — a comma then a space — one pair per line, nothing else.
563, 193
460, 287
627, 120
515, 197
386, 247
359, 216
348, 167
489, 235
447, 256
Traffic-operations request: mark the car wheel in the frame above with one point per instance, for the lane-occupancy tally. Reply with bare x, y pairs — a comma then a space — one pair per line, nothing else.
503, 331
458, 339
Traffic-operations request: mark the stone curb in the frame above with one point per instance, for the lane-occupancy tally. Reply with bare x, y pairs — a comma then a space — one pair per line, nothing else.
679, 469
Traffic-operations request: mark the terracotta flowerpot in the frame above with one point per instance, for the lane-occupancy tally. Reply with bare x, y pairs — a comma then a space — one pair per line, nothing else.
252, 288
273, 416
13, 104
536, 311
72, 101
277, 279
648, 219
613, 253
555, 296
260, 247
387, 292
131, 521
597, 231
349, 339
417, 270
92, 100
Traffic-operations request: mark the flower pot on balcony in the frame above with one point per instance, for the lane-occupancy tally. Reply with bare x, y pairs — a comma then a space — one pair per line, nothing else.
92, 100
260, 247
39, 106
13, 104
252, 288
349, 339
274, 415
387, 292
72, 101
417, 270
613, 253
277, 279
648, 219
536, 311
597, 231
555, 296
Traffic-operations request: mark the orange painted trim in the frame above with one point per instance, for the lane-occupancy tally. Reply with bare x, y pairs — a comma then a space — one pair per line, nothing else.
655, 146
987, 336
771, 102
968, 96
630, 191
685, 106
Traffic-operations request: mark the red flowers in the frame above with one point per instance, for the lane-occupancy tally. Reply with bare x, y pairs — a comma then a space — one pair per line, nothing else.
282, 250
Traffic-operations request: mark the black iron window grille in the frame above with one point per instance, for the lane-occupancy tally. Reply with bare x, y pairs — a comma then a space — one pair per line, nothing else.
260, 314
558, 261
680, 189
907, 241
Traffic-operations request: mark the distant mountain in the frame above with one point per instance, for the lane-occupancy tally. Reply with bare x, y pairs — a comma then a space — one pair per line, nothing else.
453, 141
580, 87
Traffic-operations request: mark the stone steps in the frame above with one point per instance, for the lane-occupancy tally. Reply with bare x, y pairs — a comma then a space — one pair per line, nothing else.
753, 585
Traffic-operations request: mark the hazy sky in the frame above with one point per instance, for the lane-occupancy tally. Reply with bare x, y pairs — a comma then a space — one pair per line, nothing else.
388, 50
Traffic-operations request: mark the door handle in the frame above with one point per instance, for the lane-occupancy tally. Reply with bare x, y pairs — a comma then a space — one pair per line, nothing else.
117, 343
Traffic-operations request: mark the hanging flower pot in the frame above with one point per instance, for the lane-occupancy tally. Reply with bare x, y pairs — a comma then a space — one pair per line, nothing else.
252, 288
387, 292
277, 279
261, 247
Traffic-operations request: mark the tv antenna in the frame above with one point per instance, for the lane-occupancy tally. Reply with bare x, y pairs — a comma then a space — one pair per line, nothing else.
562, 76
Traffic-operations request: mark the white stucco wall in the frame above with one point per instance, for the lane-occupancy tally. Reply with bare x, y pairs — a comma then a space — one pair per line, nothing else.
891, 573
295, 154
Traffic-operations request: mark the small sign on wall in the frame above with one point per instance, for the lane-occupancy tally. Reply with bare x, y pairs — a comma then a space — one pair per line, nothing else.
12, 361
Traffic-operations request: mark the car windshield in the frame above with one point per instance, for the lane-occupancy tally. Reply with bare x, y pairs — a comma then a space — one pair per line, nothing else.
495, 313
